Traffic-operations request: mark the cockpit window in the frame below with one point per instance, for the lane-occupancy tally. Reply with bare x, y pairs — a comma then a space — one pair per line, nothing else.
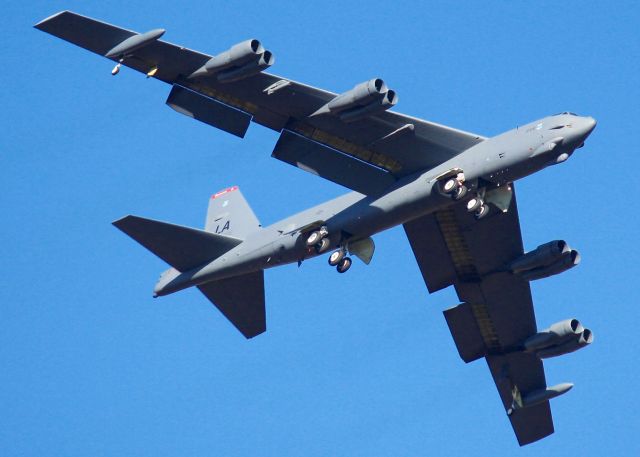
557, 127
566, 112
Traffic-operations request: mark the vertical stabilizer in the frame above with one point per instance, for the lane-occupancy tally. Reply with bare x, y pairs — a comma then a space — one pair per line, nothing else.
229, 214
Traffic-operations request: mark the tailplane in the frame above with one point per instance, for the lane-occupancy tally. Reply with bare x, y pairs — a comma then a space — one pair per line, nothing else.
181, 247
241, 300
229, 221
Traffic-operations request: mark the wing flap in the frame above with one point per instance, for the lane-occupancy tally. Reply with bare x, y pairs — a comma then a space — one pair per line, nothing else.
209, 111
331, 164
380, 140
497, 315
430, 250
466, 334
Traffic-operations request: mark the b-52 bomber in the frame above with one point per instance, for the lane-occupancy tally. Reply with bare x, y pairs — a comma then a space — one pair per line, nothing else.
452, 191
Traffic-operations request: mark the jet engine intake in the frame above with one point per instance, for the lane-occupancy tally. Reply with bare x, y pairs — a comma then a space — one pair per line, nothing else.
241, 60
584, 339
365, 99
561, 338
253, 67
546, 260
388, 101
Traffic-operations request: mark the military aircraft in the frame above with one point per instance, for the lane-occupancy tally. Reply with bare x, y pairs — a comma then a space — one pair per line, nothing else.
451, 190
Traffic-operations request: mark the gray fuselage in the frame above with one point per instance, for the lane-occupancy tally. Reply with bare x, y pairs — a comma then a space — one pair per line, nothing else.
494, 162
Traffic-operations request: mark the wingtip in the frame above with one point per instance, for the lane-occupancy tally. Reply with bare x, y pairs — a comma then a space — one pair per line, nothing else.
250, 333
119, 222
40, 24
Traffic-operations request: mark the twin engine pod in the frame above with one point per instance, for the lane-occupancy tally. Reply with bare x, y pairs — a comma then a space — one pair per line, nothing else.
546, 260
364, 100
240, 61
561, 338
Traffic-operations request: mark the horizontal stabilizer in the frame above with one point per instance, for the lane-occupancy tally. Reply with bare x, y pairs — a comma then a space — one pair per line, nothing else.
181, 247
241, 300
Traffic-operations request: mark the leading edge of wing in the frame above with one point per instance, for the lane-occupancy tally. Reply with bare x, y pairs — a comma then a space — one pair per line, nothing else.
55, 25
275, 101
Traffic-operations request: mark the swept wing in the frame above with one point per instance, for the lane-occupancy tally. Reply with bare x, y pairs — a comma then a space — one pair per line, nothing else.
366, 155
497, 314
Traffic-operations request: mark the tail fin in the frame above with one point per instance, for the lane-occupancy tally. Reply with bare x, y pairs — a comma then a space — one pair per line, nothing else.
230, 214
181, 247
241, 300
229, 221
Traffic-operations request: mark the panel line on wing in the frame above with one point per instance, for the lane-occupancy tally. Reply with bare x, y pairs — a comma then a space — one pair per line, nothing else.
460, 254
487, 329
223, 97
467, 272
347, 147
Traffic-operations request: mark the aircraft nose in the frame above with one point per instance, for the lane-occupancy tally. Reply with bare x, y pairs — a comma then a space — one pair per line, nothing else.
585, 128
590, 124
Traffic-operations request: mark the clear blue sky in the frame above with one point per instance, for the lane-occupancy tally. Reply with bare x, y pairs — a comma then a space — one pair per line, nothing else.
360, 364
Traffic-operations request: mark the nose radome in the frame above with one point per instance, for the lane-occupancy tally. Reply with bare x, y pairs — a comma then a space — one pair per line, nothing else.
590, 125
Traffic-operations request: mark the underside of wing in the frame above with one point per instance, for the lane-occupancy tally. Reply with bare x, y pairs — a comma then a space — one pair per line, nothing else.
496, 319
351, 134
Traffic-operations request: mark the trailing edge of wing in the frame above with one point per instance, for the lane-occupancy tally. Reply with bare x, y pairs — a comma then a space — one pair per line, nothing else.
496, 315
208, 110
331, 164
396, 142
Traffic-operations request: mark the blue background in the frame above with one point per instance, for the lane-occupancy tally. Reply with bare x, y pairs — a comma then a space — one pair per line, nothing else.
355, 364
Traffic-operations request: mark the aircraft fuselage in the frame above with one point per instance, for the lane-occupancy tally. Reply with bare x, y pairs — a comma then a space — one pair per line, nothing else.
492, 163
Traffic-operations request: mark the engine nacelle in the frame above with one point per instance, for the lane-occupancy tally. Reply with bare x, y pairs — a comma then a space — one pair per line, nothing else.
561, 338
253, 67
543, 255
388, 101
365, 99
556, 334
564, 263
584, 339
546, 260
361, 95
241, 60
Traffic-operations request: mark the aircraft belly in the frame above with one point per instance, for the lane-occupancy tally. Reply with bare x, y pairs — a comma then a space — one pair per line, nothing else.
406, 202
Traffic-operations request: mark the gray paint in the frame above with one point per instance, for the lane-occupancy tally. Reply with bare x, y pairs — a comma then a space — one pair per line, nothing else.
208, 110
393, 162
